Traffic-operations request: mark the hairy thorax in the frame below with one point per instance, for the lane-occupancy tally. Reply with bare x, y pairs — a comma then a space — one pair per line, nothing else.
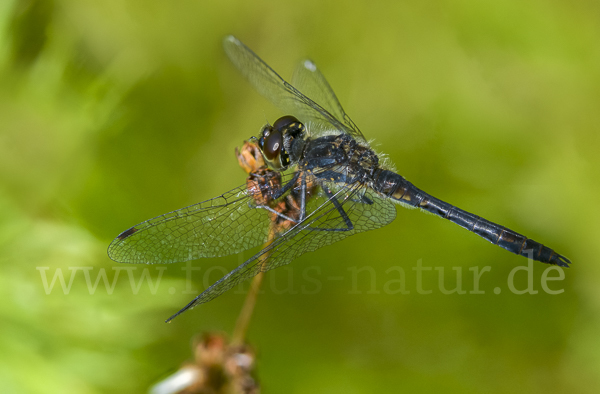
339, 158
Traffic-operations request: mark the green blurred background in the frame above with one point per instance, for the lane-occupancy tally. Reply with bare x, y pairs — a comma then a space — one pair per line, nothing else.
112, 112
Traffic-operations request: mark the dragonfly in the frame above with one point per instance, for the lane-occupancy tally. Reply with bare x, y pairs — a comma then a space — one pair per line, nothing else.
321, 184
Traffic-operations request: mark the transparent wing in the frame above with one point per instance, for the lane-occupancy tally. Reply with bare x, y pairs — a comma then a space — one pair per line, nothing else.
309, 80
217, 227
363, 207
282, 94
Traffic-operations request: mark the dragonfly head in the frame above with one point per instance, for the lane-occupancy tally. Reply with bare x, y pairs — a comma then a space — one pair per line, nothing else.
280, 143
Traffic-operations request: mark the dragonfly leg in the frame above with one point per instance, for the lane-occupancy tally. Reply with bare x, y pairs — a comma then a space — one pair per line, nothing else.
340, 209
279, 193
281, 215
303, 198
287, 187
302, 215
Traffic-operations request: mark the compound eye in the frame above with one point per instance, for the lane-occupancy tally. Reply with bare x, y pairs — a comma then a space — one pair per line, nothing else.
282, 123
272, 142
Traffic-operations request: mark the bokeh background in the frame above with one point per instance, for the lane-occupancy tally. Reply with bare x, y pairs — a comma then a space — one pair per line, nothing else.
112, 112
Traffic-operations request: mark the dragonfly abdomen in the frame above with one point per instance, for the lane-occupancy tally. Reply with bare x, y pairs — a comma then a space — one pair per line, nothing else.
399, 189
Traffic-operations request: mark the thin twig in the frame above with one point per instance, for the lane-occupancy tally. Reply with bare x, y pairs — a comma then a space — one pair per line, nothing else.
243, 320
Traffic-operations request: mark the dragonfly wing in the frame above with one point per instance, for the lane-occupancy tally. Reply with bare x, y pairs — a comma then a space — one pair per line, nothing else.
220, 226
282, 94
323, 226
309, 80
